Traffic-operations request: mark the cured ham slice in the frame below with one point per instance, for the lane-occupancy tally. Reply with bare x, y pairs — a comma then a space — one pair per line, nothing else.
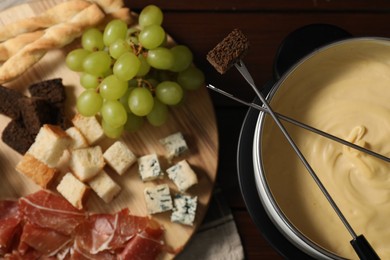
10, 224
48, 210
142, 247
112, 232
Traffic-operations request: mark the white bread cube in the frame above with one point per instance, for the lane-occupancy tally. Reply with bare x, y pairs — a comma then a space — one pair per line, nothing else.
37, 171
86, 163
104, 186
182, 175
49, 145
119, 157
89, 127
78, 139
73, 190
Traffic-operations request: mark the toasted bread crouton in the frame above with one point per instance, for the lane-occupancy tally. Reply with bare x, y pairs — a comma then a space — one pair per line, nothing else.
119, 157
37, 171
73, 190
104, 186
49, 145
89, 127
85, 163
78, 139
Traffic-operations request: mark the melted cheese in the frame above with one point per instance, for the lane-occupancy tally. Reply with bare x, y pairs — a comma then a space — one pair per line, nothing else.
345, 92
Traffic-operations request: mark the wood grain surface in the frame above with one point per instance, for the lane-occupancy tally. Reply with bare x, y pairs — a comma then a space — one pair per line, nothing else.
195, 119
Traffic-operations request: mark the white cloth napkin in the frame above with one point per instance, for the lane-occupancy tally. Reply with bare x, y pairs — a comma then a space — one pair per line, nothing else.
217, 238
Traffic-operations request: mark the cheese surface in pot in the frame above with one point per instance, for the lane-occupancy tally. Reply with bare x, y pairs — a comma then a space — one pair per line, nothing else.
343, 90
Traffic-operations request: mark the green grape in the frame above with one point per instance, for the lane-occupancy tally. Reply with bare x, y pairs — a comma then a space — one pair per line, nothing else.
169, 92
75, 59
160, 58
133, 122
151, 36
182, 58
144, 66
127, 66
92, 40
114, 113
141, 101
149, 15
115, 29
159, 114
191, 79
118, 47
112, 132
125, 98
89, 102
89, 80
112, 88
97, 63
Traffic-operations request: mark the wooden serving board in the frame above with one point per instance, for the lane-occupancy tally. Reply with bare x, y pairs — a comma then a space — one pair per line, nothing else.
195, 119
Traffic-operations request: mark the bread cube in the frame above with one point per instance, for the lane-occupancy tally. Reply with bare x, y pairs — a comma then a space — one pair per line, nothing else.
182, 175
149, 167
104, 186
49, 145
78, 139
158, 199
174, 145
119, 157
37, 171
73, 190
86, 163
89, 127
184, 209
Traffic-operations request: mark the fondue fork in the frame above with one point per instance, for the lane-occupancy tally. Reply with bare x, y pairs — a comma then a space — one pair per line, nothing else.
361, 246
229, 53
300, 124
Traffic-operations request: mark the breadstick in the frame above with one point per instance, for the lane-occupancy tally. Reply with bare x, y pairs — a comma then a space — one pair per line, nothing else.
56, 36
57, 14
115, 9
12, 46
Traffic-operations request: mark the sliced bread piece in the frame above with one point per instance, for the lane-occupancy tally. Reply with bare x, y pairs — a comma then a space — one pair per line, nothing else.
78, 139
37, 171
89, 127
104, 186
73, 190
86, 163
119, 157
50, 144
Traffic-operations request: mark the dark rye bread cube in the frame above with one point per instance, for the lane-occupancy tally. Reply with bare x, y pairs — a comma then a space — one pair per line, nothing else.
53, 90
8, 102
36, 112
16, 136
229, 51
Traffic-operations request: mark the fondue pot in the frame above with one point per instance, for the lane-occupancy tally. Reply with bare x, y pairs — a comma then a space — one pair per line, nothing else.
298, 57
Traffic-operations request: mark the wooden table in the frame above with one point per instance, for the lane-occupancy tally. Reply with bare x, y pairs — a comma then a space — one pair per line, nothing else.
201, 24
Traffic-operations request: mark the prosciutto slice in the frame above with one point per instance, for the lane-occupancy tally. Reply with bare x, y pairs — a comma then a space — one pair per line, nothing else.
142, 247
48, 210
10, 224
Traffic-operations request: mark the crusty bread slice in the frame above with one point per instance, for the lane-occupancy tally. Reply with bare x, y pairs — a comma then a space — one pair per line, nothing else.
104, 186
73, 190
49, 144
78, 139
37, 171
86, 163
119, 157
89, 127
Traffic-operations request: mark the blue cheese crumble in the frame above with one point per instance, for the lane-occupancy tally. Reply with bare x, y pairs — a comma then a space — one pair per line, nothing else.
174, 145
158, 199
149, 167
182, 175
184, 210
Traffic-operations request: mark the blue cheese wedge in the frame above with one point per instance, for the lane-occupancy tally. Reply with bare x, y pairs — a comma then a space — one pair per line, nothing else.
149, 167
158, 199
119, 157
184, 210
174, 145
182, 175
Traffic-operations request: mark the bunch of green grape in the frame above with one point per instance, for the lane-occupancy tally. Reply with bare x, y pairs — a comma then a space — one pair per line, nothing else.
130, 75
